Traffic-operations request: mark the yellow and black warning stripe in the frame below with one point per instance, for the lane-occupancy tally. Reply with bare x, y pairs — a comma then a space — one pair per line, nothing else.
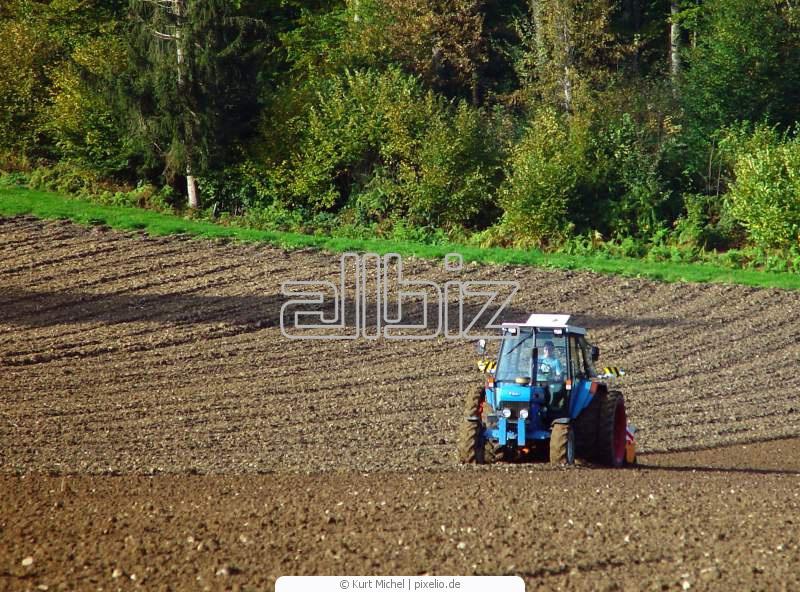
613, 371
487, 366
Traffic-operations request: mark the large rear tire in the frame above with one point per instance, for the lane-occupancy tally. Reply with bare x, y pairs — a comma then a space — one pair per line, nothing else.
585, 427
562, 444
611, 429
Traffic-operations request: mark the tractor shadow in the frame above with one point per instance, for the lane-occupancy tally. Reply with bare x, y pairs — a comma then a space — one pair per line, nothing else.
771, 456
712, 469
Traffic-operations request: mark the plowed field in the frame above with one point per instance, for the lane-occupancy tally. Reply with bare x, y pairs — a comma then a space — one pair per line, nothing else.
154, 421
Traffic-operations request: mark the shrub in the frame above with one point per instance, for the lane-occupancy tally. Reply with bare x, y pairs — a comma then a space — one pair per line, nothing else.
626, 168
143, 196
707, 223
239, 188
65, 177
627, 246
765, 195
541, 180
25, 51
13, 179
81, 120
581, 245
275, 216
376, 143
402, 231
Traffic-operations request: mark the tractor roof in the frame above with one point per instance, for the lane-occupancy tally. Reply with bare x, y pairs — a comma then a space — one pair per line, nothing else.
549, 321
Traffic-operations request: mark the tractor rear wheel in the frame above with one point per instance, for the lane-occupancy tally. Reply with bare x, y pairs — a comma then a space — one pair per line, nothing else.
585, 427
471, 443
611, 429
562, 444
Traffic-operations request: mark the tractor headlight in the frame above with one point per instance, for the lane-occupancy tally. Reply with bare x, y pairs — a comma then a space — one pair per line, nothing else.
523, 414
506, 413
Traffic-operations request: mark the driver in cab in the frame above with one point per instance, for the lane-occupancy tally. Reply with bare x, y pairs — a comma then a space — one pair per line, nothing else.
549, 364
550, 370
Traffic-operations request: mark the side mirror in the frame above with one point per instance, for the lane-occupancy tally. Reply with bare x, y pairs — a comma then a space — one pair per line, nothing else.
480, 346
595, 353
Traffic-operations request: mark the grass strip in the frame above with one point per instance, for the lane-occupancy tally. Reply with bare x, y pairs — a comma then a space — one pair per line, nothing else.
16, 201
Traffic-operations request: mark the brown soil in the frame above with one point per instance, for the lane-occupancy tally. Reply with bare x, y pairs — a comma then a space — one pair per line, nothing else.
154, 421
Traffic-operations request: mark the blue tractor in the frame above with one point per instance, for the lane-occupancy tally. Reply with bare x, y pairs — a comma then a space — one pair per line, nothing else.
543, 397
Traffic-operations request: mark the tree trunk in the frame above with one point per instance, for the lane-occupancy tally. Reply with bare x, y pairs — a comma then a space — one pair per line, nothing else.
177, 10
475, 88
567, 84
191, 189
555, 45
567, 57
191, 185
674, 41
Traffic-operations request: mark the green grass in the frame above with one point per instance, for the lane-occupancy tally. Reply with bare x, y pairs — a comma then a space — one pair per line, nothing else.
16, 201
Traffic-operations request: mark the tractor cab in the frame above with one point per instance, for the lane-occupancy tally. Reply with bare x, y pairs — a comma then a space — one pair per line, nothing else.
545, 357
533, 360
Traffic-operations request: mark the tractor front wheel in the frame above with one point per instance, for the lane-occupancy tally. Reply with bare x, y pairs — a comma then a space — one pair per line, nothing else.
492, 452
472, 446
562, 444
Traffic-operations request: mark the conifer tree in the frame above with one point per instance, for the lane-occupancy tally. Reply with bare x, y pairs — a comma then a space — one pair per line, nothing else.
192, 66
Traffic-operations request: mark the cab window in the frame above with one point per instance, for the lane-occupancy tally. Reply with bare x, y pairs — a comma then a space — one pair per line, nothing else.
586, 351
578, 358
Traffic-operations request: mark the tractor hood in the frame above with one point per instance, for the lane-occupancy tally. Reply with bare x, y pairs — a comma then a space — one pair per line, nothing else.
513, 392
519, 393
517, 414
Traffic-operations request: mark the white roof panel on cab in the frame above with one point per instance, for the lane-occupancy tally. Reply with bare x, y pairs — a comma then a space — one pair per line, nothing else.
548, 321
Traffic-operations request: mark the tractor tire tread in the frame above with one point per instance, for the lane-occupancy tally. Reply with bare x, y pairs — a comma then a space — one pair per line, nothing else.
558, 443
469, 440
586, 429
606, 426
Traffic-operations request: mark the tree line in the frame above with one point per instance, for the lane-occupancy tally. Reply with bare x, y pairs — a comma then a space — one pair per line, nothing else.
560, 124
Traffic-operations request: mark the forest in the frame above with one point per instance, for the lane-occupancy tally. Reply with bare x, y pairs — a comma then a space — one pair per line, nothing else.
658, 129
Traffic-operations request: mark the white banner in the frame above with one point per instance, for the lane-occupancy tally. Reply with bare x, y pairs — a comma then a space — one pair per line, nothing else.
404, 583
